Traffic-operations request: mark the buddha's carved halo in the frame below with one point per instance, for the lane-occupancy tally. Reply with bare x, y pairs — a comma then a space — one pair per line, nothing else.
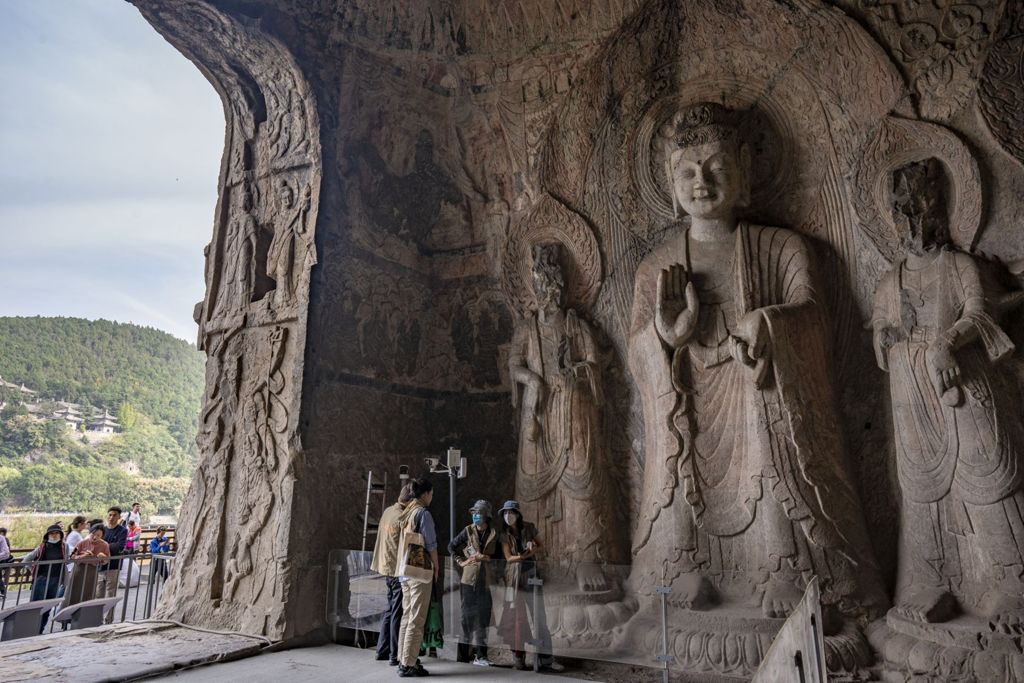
897, 143
551, 222
749, 114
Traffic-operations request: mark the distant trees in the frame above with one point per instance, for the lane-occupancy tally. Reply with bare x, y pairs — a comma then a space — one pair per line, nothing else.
151, 380
151, 448
127, 416
67, 488
102, 363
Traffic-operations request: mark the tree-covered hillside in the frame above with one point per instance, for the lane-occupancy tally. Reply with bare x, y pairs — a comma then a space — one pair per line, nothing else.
150, 381
105, 364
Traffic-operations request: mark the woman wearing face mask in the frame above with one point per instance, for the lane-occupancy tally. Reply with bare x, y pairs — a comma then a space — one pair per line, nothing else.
520, 544
472, 548
47, 578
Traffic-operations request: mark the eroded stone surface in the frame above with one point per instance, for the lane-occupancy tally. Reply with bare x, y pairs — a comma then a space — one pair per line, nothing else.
118, 652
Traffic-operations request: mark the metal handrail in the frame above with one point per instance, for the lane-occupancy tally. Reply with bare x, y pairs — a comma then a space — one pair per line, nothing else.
148, 534
19, 580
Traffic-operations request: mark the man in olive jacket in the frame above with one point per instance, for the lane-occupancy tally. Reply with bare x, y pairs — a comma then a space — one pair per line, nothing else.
385, 561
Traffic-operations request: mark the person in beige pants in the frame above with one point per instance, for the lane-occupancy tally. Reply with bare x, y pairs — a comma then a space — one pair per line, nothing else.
416, 595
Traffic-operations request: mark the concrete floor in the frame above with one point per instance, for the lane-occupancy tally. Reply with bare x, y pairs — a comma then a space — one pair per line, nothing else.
342, 663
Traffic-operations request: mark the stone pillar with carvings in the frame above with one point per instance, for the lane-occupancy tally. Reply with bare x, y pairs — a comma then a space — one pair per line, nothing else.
237, 551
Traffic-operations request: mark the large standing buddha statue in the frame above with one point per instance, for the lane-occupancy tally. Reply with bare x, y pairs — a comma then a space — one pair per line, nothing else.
746, 492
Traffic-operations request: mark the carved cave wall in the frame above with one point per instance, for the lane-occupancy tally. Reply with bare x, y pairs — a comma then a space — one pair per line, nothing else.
441, 134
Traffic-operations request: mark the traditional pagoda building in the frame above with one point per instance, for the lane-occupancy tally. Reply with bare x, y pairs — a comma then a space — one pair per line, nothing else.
103, 422
20, 388
70, 413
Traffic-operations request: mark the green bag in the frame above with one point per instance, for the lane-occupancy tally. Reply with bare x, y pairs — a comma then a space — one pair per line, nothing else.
433, 629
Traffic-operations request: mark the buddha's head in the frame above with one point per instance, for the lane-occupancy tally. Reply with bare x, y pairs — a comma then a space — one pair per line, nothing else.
548, 281
919, 205
707, 164
285, 194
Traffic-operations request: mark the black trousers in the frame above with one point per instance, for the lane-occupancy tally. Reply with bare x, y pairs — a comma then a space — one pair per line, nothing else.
46, 585
476, 619
387, 641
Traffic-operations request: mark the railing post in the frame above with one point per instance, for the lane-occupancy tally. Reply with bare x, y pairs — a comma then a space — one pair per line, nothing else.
535, 584
127, 586
665, 658
336, 612
149, 586
452, 475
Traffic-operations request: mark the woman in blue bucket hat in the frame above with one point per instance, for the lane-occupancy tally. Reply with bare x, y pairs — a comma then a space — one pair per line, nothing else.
521, 545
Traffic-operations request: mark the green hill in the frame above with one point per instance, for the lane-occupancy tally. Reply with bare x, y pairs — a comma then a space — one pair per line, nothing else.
105, 364
152, 381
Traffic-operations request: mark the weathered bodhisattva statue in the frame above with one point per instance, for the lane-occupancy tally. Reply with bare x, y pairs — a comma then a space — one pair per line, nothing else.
291, 250
561, 479
746, 493
957, 421
239, 256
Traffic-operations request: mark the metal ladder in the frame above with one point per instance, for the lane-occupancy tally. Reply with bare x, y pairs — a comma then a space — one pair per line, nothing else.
374, 486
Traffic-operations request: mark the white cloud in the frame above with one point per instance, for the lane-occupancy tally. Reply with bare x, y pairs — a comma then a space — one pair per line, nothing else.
110, 144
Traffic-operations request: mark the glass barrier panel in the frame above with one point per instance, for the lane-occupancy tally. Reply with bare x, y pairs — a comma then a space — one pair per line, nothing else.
713, 625
533, 609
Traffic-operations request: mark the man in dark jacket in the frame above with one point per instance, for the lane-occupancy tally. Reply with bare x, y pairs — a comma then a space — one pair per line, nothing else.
115, 535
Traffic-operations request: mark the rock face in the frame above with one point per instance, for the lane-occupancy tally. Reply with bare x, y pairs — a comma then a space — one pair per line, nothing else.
430, 207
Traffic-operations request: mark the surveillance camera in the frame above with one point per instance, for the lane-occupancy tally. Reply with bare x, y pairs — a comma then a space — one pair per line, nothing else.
432, 463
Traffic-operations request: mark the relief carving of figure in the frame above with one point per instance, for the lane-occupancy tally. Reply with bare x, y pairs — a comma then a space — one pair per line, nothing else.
956, 415
562, 477
263, 418
292, 250
239, 256
746, 493
216, 444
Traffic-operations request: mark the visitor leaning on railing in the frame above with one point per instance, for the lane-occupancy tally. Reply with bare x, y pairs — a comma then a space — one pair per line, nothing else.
47, 578
160, 545
90, 553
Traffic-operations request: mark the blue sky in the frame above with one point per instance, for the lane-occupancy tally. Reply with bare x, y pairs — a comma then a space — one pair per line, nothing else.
110, 144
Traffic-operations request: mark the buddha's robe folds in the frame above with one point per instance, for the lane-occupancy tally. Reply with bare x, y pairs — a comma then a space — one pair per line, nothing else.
959, 465
741, 482
561, 479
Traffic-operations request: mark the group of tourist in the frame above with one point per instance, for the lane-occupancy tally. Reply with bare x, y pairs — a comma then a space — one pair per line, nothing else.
85, 563
412, 621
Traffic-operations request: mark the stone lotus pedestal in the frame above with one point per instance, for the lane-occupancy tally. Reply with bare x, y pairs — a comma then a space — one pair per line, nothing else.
966, 648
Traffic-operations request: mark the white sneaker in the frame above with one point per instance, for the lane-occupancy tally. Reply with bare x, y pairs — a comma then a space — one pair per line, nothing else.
553, 666
482, 661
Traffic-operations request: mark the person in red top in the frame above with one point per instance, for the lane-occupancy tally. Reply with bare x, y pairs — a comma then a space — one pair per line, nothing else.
90, 552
